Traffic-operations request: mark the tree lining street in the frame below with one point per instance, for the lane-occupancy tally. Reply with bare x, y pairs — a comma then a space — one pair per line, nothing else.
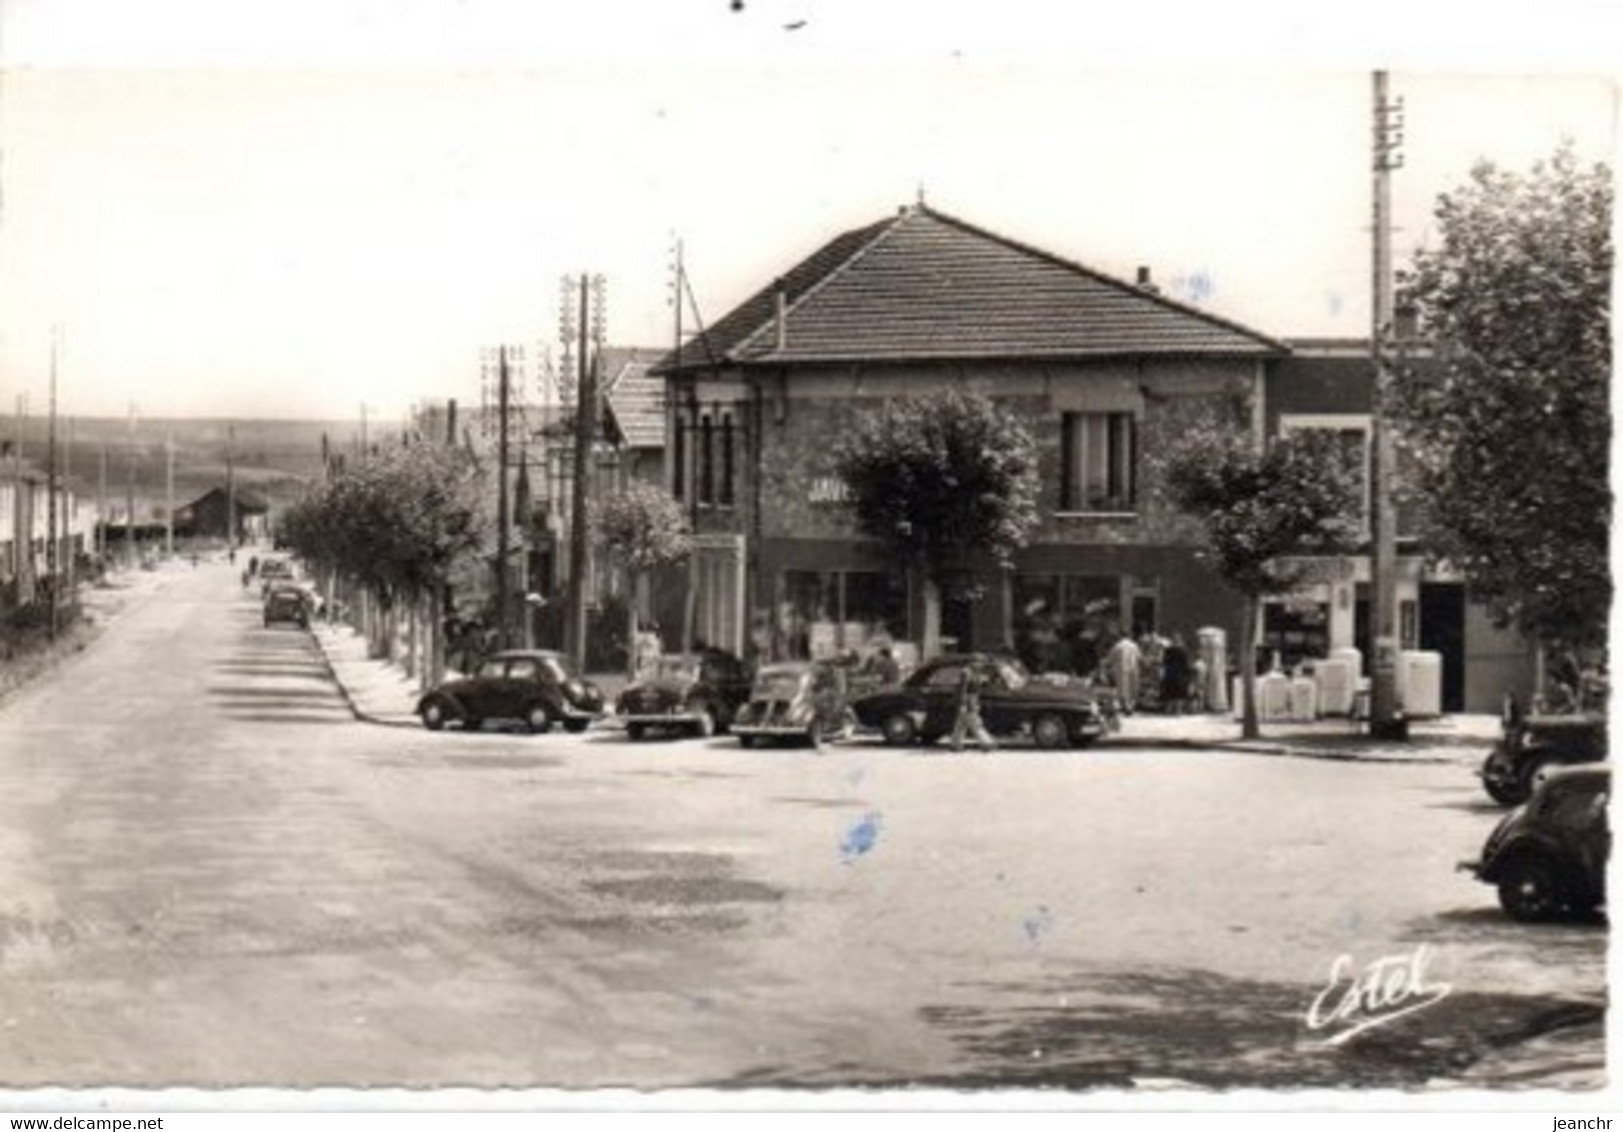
217, 877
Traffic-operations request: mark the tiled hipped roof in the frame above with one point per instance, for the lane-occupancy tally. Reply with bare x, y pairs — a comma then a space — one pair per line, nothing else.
926, 286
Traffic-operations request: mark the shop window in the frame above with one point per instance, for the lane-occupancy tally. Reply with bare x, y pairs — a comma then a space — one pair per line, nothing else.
1295, 630
1099, 460
829, 611
1064, 622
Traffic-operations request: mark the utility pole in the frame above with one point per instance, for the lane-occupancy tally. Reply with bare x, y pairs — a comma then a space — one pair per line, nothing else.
52, 566
169, 496
129, 502
101, 510
502, 601
589, 327
22, 516
1386, 717
231, 490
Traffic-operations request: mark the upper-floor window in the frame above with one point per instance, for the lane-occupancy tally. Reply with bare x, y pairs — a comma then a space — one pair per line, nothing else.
707, 460
1352, 440
724, 494
1100, 463
704, 458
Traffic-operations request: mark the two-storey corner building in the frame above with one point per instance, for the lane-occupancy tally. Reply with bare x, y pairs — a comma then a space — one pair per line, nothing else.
1103, 372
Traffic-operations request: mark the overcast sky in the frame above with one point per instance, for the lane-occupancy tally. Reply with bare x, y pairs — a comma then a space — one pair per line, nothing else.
291, 209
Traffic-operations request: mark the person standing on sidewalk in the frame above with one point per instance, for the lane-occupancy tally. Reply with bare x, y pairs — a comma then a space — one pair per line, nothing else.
968, 723
1176, 675
1122, 665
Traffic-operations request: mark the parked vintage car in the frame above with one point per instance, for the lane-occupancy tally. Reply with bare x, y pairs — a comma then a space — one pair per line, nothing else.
1531, 743
538, 688
287, 605
698, 692
803, 701
1013, 704
1548, 856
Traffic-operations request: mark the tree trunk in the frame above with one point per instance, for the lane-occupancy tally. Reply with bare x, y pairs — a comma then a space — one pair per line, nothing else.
930, 630
1248, 670
434, 663
631, 628
411, 636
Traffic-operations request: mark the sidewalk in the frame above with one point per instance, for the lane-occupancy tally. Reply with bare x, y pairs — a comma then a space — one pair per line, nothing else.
1463, 739
380, 692
376, 691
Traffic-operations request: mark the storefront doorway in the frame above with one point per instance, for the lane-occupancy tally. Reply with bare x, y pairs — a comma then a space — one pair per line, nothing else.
1442, 630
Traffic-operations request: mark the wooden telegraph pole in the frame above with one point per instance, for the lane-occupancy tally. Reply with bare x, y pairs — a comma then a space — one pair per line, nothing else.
1386, 716
52, 551
503, 601
590, 330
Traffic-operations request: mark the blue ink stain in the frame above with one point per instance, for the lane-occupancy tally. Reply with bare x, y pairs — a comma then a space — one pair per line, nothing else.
1333, 301
860, 838
1195, 287
1038, 923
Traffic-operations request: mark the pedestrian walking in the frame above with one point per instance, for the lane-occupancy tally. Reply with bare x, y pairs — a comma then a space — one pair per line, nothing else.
1122, 665
969, 724
1176, 673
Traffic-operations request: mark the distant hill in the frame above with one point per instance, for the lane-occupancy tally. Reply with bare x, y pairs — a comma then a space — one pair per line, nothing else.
273, 458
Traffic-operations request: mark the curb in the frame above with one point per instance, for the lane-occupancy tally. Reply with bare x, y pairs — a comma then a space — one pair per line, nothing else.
1272, 749
350, 701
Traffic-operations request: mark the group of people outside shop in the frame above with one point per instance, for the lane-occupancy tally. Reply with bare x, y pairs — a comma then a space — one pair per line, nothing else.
1154, 673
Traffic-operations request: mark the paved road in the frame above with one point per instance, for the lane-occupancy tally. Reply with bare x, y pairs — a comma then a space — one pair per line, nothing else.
212, 875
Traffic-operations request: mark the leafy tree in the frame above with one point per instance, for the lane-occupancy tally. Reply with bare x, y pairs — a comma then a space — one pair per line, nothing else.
936, 476
396, 524
1257, 508
642, 527
1508, 422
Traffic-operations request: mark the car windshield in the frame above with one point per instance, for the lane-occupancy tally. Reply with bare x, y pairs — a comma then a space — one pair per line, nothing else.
561, 667
1011, 675
777, 685
674, 668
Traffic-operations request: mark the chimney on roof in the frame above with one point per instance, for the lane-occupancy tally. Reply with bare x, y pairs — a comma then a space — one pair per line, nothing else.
783, 317
1145, 283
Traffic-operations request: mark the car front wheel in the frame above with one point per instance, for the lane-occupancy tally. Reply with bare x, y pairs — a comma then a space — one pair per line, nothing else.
1050, 731
539, 718
1530, 888
899, 729
1500, 780
706, 724
434, 715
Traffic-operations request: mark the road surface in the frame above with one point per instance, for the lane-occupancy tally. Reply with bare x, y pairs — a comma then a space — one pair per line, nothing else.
214, 876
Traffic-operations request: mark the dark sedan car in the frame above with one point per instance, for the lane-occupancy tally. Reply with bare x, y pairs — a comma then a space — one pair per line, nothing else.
1548, 856
287, 604
699, 693
539, 689
1013, 704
